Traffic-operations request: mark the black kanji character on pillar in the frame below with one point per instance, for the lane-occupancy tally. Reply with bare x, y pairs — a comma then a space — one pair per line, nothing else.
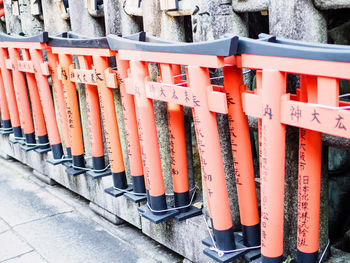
268, 111
229, 100
340, 125
162, 92
314, 115
295, 112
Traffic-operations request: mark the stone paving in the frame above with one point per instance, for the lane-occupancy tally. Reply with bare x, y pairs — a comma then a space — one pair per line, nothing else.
38, 226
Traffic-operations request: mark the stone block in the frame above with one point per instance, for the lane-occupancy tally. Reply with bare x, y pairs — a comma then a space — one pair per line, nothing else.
331, 4
249, 5
53, 22
12, 246
180, 237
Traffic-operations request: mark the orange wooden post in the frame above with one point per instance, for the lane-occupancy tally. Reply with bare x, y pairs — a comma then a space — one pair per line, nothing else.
6, 127
59, 94
211, 159
149, 146
47, 103
73, 116
132, 135
273, 165
38, 115
110, 123
94, 120
242, 157
23, 99
309, 178
10, 94
177, 141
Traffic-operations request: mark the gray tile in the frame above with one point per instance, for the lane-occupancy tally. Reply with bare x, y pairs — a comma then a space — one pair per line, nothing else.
20, 202
12, 246
73, 238
31, 257
3, 226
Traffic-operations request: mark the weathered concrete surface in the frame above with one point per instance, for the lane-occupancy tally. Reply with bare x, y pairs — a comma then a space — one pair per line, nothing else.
215, 18
54, 24
249, 5
112, 16
332, 4
82, 22
175, 236
297, 20
129, 24
31, 158
39, 223
93, 190
31, 25
13, 23
83, 185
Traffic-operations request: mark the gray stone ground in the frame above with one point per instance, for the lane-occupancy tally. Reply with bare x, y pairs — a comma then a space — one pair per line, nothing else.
41, 223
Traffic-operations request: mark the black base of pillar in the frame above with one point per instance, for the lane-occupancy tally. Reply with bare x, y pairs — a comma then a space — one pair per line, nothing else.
248, 255
191, 212
115, 192
135, 197
157, 218
28, 148
74, 172
96, 175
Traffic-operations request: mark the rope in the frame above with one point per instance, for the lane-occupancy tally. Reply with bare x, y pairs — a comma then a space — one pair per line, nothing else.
5, 129
90, 169
222, 252
324, 251
174, 208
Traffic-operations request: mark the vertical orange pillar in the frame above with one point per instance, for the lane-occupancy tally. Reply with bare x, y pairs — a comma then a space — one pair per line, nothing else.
110, 124
58, 90
177, 145
94, 120
5, 114
38, 115
272, 167
73, 116
176, 125
10, 94
132, 135
211, 159
242, 157
47, 102
309, 178
148, 137
22, 97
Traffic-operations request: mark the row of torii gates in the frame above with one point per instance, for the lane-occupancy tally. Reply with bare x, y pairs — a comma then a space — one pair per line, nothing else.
28, 111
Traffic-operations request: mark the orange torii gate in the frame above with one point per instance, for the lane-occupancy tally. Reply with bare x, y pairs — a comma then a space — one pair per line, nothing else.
66, 47
317, 110
198, 93
23, 56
